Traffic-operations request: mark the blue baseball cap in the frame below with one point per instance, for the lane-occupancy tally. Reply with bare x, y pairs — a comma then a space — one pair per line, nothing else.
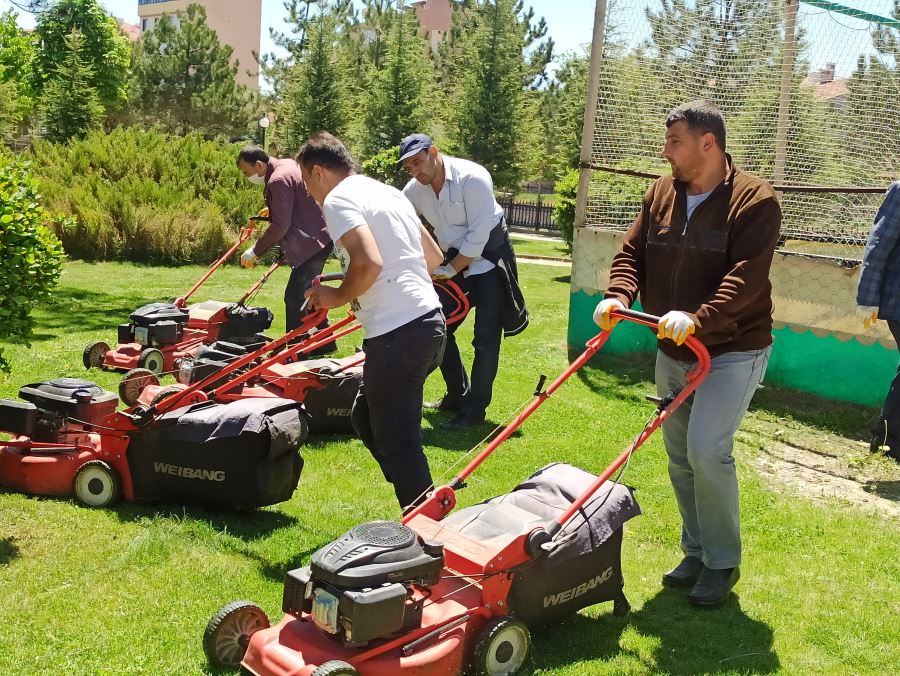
413, 144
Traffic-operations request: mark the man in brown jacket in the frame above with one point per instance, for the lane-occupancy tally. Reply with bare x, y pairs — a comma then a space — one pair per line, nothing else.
699, 254
296, 224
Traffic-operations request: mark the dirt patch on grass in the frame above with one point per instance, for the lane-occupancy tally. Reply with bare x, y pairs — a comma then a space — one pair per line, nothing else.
820, 465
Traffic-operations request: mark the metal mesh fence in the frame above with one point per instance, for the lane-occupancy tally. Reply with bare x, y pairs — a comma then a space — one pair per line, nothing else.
810, 92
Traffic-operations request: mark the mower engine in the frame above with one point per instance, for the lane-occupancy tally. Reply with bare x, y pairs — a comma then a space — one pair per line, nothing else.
154, 324
55, 410
369, 584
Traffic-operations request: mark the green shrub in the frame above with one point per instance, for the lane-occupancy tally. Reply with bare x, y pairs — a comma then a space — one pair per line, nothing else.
383, 167
566, 190
143, 196
30, 255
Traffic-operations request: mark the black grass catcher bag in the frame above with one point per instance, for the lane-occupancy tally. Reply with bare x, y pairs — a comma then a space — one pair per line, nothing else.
234, 456
585, 568
328, 404
245, 321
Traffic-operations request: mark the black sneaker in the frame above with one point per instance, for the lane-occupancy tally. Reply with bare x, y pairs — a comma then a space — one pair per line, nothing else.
685, 573
713, 586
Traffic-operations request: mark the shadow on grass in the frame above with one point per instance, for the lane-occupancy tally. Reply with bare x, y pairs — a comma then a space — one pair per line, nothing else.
619, 375
565, 279
457, 440
247, 526
687, 640
889, 490
9, 550
73, 310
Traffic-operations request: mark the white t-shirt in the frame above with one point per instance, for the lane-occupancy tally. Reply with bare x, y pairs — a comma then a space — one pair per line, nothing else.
403, 290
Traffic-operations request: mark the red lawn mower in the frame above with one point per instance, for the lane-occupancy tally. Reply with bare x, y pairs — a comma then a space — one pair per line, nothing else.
438, 592
161, 334
70, 440
225, 372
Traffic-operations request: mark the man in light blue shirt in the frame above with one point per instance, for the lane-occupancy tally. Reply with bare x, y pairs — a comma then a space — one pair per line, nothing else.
456, 198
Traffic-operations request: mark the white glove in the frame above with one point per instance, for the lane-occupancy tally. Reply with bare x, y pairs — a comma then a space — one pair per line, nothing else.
676, 326
443, 272
870, 316
248, 258
601, 313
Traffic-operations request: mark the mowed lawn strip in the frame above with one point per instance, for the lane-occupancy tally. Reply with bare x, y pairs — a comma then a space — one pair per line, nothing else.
130, 589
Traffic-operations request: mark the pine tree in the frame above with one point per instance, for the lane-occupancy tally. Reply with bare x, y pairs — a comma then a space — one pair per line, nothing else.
104, 49
395, 103
313, 92
491, 97
184, 78
71, 103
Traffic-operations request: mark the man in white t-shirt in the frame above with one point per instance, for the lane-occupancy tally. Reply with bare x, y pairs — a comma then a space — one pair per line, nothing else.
386, 254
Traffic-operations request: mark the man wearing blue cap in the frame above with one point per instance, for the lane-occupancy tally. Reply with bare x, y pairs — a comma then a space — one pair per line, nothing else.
456, 198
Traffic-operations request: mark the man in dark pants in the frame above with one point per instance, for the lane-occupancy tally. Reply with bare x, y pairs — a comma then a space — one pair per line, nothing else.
386, 254
879, 294
456, 198
296, 225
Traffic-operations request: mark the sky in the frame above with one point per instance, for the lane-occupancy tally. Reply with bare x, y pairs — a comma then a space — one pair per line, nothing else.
570, 24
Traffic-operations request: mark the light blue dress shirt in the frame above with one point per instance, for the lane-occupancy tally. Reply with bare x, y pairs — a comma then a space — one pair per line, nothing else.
463, 214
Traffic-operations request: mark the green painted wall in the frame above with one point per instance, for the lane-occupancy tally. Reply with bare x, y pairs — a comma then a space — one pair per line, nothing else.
847, 371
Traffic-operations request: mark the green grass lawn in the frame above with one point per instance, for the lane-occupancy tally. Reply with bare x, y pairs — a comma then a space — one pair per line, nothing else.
551, 248
130, 589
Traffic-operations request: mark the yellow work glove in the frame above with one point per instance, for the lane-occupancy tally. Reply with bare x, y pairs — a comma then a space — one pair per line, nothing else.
602, 317
675, 326
870, 316
264, 212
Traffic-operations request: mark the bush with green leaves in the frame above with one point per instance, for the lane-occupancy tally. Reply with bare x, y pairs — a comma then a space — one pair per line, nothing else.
30, 254
144, 196
383, 167
566, 190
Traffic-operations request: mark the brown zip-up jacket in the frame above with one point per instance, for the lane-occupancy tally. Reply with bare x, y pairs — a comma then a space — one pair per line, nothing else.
715, 267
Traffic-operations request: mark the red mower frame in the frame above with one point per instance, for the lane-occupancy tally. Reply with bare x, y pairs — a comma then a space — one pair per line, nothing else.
468, 607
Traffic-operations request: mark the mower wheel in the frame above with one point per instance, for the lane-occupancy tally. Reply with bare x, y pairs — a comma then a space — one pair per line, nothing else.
501, 648
152, 360
97, 484
94, 354
335, 668
133, 383
165, 393
228, 632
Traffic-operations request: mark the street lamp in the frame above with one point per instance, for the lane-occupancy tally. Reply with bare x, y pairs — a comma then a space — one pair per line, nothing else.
264, 123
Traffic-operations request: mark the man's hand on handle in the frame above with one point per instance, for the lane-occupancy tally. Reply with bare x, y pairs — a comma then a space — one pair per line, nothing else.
602, 316
675, 326
443, 272
249, 258
321, 297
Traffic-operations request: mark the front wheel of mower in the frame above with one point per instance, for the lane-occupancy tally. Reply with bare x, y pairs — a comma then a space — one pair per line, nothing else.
152, 360
94, 354
96, 484
165, 393
228, 632
335, 668
133, 383
502, 647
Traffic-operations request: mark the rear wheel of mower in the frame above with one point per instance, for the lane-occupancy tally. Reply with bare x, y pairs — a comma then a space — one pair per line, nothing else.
335, 668
502, 647
133, 383
97, 484
94, 354
228, 632
165, 393
152, 360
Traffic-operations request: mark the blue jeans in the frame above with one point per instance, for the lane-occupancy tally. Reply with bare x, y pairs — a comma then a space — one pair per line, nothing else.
699, 439
486, 297
387, 412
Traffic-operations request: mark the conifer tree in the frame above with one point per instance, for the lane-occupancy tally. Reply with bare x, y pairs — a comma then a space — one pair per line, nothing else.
184, 78
71, 103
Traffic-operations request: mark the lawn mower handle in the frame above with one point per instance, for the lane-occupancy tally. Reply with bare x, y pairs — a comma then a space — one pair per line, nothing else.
443, 499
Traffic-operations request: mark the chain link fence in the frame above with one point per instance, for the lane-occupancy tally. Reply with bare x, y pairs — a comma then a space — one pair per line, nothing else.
810, 91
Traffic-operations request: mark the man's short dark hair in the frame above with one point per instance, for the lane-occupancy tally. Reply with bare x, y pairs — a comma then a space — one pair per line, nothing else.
326, 150
252, 155
700, 116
